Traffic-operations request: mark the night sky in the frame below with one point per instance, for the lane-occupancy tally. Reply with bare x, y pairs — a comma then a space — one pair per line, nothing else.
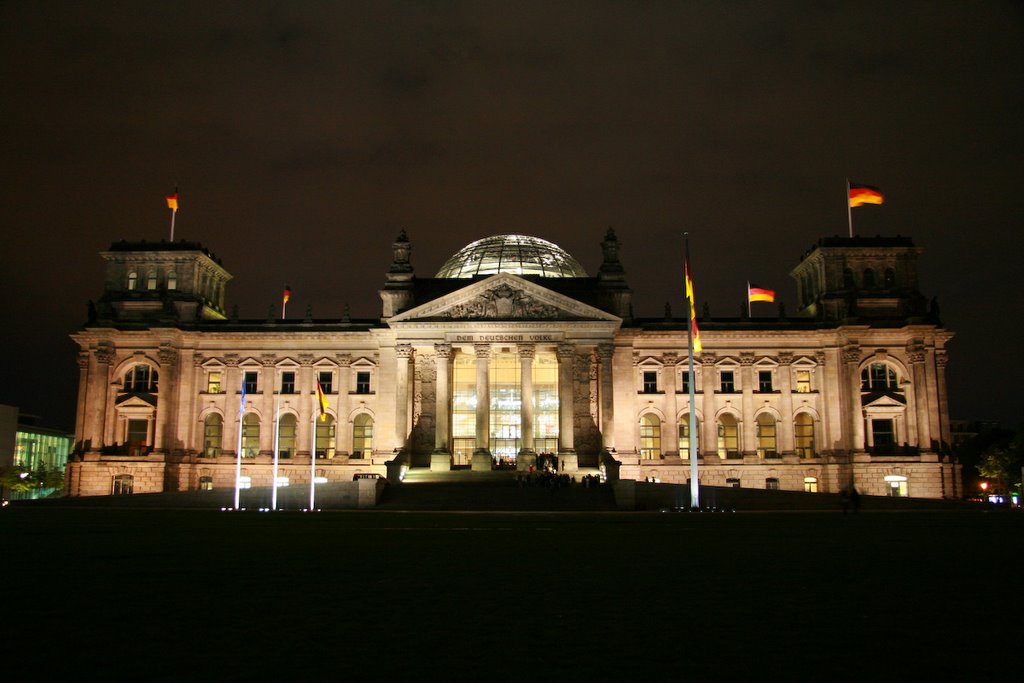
304, 136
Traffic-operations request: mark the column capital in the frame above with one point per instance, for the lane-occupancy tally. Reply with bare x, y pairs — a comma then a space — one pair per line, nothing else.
605, 351
231, 360
305, 359
566, 351
443, 350
851, 354
941, 358
669, 358
167, 355
403, 350
785, 357
527, 351
83, 359
198, 358
104, 353
746, 357
343, 359
708, 358
483, 351
819, 358
268, 360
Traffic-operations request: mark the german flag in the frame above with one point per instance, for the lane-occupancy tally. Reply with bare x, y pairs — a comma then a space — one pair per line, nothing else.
697, 346
287, 293
864, 194
322, 400
172, 201
755, 293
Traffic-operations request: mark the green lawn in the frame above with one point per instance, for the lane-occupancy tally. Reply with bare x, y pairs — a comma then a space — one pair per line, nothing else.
179, 595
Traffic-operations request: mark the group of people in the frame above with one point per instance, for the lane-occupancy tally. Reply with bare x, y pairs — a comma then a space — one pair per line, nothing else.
550, 479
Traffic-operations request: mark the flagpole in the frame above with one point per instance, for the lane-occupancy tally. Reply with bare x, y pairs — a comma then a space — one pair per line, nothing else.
173, 214
312, 460
238, 450
748, 299
277, 446
849, 209
694, 481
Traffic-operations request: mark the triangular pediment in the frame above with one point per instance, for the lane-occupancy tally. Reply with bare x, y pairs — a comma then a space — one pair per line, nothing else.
504, 297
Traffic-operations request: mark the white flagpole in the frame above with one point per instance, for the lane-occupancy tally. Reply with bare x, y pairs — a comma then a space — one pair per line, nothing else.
277, 445
691, 314
849, 210
748, 298
312, 456
174, 212
238, 450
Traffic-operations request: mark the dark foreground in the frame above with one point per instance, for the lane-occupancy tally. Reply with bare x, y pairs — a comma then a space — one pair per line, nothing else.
195, 595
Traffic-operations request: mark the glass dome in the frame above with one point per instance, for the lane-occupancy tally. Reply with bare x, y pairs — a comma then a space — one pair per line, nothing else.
516, 254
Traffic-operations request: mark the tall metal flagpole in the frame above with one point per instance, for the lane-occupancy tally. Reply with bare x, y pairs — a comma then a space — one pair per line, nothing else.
277, 447
849, 209
312, 457
238, 450
694, 481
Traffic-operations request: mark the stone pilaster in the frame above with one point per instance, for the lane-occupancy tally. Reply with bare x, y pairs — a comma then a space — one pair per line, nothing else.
748, 430
343, 425
165, 395
851, 359
709, 439
403, 354
605, 353
670, 430
232, 391
916, 356
941, 359
787, 445
306, 388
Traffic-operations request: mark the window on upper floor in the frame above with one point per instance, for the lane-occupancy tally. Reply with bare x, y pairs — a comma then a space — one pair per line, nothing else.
879, 377
172, 280
767, 445
251, 382
141, 379
728, 437
133, 281
803, 381
213, 430
764, 381
326, 380
286, 436
650, 437
727, 382
684, 382
869, 278
848, 282
363, 382
890, 278
151, 280
650, 384
288, 382
803, 435
883, 433
213, 382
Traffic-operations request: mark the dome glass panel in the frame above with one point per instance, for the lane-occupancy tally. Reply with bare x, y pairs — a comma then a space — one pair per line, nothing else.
516, 254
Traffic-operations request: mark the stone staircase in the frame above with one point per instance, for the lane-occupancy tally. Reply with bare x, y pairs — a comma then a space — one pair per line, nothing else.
463, 490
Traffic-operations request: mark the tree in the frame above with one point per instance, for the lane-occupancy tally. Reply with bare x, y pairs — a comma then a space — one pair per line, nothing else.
1002, 462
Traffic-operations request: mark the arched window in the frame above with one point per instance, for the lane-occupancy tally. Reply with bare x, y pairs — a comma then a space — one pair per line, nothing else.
728, 436
869, 278
151, 280
326, 435
172, 280
122, 485
286, 436
650, 437
890, 278
684, 437
141, 379
767, 446
213, 430
133, 280
250, 436
803, 434
362, 436
879, 377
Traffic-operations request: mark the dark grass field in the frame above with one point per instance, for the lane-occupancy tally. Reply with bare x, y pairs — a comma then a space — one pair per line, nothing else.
196, 595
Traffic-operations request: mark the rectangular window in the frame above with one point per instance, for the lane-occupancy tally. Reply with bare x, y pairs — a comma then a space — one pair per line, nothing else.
213, 383
810, 484
684, 382
728, 382
137, 437
803, 381
650, 382
764, 381
883, 433
771, 483
287, 382
326, 380
732, 483
251, 379
363, 382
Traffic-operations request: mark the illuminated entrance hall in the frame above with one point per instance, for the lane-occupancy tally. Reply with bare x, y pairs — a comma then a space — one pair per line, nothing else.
506, 421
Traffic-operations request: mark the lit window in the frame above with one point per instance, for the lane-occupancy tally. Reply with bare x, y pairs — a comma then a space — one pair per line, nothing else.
771, 483
684, 437
206, 483
250, 436
896, 486
766, 441
728, 437
764, 381
325, 437
732, 483
251, 382
326, 380
122, 485
878, 377
650, 382
803, 434
151, 280
810, 484
362, 436
213, 385
172, 280
650, 437
728, 382
133, 280
213, 430
286, 436
287, 382
363, 382
803, 381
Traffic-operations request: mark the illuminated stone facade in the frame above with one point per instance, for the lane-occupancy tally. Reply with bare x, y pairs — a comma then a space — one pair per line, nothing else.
849, 389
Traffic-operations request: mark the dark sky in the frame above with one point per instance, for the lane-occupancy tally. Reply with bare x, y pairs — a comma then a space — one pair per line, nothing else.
305, 135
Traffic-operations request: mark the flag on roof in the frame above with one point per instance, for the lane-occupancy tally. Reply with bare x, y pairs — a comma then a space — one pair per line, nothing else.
865, 194
755, 293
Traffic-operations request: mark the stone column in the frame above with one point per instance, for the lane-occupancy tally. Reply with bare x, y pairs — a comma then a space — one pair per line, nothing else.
99, 401
786, 444
482, 453
566, 403
306, 397
851, 357
82, 410
709, 439
441, 458
941, 359
916, 357
165, 395
342, 426
232, 398
403, 352
748, 433
268, 391
670, 431
527, 457
605, 353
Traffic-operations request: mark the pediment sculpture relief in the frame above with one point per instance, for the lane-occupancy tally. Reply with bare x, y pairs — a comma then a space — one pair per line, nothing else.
504, 302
